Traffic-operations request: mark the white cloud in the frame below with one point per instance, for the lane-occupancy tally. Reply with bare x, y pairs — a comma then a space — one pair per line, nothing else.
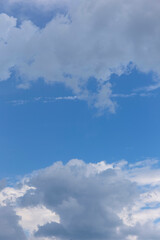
10, 194
67, 98
34, 216
145, 172
19, 102
94, 38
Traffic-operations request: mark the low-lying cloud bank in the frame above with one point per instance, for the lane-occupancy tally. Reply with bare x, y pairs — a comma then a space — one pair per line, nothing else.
84, 201
83, 40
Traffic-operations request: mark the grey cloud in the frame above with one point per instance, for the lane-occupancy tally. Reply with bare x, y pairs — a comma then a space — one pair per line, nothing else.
9, 226
88, 205
91, 201
94, 38
3, 184
52, 229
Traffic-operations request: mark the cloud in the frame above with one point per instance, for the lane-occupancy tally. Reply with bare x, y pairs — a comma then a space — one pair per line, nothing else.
34, 216
91, 39
67, 98
19, 102
10, 194
9, 226
80, 200
38, 3
86, 197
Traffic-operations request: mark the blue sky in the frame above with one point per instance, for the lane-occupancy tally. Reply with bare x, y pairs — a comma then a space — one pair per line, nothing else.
79, 125
34, 133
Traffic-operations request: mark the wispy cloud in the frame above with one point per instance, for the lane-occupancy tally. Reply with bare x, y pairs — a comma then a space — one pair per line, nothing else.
150, 88
18, 102
67, 98
133, 94
45, 100
120, 95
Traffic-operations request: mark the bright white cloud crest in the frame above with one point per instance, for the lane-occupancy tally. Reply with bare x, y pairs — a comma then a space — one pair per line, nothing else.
85, 201
88, 39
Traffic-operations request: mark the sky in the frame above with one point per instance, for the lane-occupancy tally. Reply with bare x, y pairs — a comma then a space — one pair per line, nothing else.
79, 125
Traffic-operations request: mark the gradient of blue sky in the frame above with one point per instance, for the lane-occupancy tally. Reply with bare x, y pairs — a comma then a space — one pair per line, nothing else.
35, 133
80, 82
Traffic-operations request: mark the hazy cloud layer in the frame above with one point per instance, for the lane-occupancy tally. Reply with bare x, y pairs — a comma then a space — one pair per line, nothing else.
88, 39
84, 201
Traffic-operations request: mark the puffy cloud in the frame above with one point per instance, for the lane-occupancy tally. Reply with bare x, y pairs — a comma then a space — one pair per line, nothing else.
85, 201
88, 39
95, 201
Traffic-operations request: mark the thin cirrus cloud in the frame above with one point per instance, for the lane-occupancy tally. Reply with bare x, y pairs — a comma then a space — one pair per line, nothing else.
91, 39
81, 200
19, 102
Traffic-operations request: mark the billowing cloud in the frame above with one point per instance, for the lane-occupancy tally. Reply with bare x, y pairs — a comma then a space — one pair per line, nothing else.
85, 201
88, 39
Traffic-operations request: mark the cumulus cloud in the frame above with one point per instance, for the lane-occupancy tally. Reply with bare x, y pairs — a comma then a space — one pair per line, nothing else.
88, 39
84, 201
